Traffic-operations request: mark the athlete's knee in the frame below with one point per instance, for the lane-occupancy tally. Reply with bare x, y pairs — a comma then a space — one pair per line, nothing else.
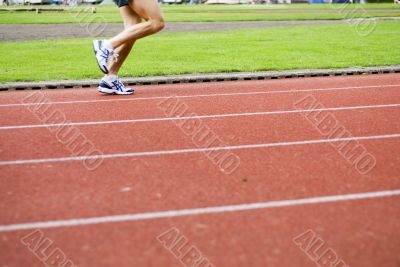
157, 24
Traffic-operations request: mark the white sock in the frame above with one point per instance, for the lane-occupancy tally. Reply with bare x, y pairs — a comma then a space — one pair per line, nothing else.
111, 77
108, 45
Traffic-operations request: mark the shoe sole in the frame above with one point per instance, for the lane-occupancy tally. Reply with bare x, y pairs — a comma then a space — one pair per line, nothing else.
112, 91
95, 48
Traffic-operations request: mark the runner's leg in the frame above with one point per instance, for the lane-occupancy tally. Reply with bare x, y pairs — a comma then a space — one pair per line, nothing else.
130, 18
148, 10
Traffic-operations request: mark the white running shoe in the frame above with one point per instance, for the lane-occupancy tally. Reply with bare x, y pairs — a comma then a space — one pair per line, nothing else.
113, 86
103, 54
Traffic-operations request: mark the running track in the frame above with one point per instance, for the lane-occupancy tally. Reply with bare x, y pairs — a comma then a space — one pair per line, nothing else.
154, 177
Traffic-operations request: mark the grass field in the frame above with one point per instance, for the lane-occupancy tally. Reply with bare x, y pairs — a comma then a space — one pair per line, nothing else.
191, 13
300, 47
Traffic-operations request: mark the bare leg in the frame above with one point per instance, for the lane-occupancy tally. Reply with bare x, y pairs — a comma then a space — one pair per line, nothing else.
121, 44
148, 10
130, 18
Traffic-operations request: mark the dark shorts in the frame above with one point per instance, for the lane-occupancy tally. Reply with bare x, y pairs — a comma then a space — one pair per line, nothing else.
121, 3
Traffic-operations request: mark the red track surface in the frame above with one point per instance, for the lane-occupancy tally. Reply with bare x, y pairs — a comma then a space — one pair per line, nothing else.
364, 232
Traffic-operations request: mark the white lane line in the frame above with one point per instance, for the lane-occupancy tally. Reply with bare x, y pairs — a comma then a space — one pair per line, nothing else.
28, 126
198, 211
203, 95
195, 150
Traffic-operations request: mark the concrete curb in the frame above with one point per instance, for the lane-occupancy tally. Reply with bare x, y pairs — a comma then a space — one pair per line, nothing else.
198, 78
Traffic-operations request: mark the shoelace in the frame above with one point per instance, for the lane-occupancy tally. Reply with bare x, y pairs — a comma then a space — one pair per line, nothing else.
106, 54
114, 55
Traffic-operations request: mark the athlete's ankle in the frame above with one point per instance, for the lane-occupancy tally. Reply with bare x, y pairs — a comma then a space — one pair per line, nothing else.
108, 45
111, 76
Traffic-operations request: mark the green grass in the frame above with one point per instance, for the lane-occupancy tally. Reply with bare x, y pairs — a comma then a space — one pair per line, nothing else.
325, 46
186, 13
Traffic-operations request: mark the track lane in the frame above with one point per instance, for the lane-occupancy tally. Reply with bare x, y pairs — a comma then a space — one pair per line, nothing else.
166, 135
152, 183
108, 111
15, 97
364, 233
